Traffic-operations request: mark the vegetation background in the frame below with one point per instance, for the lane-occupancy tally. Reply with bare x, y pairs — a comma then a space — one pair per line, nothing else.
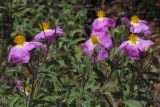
67, 78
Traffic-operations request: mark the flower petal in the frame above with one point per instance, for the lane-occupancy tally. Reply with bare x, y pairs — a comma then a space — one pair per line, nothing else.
32, 45
18, 55
106, 40
111, 22
123, 45
49, 34
87, 46
140, 28
44, 35
143, 21
58, 31
90, 54
102, 55
100, 25
19, 85
131, 50
144, 44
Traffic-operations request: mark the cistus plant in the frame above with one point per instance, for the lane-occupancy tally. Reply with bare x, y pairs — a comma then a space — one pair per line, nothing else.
55, 54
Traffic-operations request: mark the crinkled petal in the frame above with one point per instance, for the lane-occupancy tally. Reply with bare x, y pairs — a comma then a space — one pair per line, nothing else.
102, 55
111, 22
98, 33
123, 45
58, 31
88, 49
106, 40
90, 54
131, 50
45, 35
87, 46
100, 25
18, 55
45, 47
143, 21
143, 45
147, 32
140, 28
49, 34
19, 85
32, 45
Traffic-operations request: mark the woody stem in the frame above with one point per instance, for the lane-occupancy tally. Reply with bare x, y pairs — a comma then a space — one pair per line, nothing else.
33, 81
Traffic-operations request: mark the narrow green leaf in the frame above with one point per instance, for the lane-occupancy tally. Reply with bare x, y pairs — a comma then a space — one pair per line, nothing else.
132, 103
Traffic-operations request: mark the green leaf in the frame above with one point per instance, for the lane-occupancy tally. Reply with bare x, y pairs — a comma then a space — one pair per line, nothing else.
113, 53
75, 41
14, 101
61, 63
109, 85
132, 103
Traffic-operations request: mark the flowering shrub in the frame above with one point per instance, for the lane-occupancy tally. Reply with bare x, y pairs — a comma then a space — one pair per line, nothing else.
51, 55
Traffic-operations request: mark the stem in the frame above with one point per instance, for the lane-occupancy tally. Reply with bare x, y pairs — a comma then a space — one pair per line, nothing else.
138, 75
118, 77
32, 92
26, 103
33, 78
83, 82
103, 4
110, 101
109, 75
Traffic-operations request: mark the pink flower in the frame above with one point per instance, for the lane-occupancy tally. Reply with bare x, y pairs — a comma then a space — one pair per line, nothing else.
48, 34
137, 25
20, 52
100, 41
102, 23
19, 85
135, 46
125, 20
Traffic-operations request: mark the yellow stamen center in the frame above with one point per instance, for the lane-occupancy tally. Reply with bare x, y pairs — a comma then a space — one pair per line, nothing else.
27, 89
100, 14
133, 38
44, 26
19, 40
134, 19
94, 39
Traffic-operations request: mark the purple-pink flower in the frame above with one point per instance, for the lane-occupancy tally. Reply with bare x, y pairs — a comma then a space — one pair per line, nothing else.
19, 85
102, 23
100, 41
20, 52
48, 34
135, 46
125, 20
139, 26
